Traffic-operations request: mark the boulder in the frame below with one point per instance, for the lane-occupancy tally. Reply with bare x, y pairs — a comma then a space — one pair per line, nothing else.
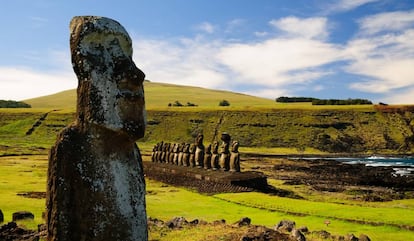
22, 215
285, 226
351, 237
243, 222
255, 233
322, 234
303, 229
297, 235
177, 222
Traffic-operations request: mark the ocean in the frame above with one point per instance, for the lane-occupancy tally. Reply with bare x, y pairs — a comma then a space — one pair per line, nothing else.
401, 165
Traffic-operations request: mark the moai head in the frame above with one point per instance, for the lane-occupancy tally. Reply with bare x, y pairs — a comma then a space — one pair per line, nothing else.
208, 149
110, 86
215, 147
199, 139
225, 137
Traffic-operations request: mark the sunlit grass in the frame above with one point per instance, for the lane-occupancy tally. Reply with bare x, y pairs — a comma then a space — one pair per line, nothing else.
23, 174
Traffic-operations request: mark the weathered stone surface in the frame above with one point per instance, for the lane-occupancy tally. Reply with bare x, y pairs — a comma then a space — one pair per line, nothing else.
235, 157
12, 232
243, 222
298, 235
285, 226
225, 152
96, 187
199, 152
176, 222
22, 215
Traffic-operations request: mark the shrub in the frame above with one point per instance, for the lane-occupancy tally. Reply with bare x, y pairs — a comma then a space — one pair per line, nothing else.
13, 104
224, 103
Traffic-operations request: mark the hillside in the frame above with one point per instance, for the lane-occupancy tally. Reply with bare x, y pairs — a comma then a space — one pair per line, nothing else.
257, 123
159, 95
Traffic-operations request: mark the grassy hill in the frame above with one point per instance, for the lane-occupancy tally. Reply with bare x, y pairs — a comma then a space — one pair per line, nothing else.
255, 122
159, 95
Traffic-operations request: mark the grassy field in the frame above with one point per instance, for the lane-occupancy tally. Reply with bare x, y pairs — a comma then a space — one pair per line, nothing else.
22, 174
159, 95
261, 126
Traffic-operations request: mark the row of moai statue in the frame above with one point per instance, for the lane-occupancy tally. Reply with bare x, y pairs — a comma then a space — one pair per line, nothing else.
196, 155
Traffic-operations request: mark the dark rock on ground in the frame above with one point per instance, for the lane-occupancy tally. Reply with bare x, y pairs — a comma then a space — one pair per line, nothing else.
22, 215
177, 222
243, 222
37, 195
298, 235
322, 234
351, 237
12, 232
285, 226
260, 233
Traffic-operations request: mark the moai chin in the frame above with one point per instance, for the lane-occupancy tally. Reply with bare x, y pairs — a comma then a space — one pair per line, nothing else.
96, 186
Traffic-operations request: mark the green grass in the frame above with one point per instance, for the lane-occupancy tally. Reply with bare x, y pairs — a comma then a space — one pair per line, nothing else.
19, 175
22, 174
381, 215
159, 95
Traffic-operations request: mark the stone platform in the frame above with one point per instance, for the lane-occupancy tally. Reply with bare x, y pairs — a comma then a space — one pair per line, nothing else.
208, 181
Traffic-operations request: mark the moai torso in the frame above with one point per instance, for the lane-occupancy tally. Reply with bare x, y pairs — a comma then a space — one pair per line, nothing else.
235, 157
199, 152
186, 155
192, 155
215, 157
225, 152
207, 157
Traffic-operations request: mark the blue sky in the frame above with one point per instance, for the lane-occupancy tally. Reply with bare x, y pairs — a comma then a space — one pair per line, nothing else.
267, 48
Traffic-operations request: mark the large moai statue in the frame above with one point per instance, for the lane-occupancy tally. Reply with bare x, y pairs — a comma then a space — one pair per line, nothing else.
225, 152
199, 152
158, 153
215, 156
176, 151
235, 157
96, 187
181, 154
192, 155
154, 151
207, 157
171, 155
186, 155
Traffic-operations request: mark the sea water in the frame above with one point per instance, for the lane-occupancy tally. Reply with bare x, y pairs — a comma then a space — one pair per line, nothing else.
401, 165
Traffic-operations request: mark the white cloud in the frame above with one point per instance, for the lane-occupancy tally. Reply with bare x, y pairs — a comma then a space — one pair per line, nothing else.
403, 97
383, 52
278, 62
346, 5
184, 61
19, 83
206, 27
389, 21
311, 28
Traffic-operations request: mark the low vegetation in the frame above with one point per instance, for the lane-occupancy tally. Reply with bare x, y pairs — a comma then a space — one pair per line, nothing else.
13, 104
316, 101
